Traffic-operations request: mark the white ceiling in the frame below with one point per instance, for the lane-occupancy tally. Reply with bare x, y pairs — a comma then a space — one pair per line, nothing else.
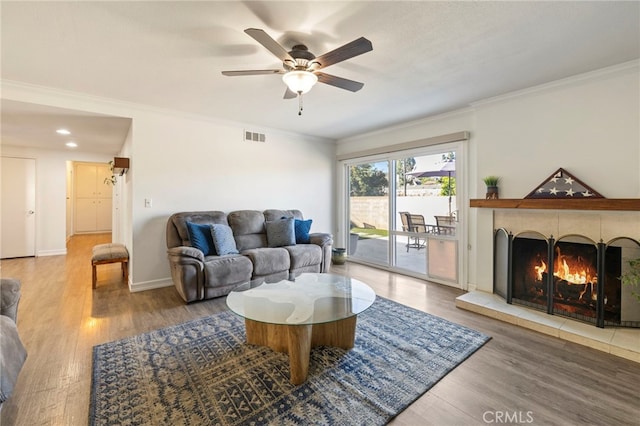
427, 58
35, 126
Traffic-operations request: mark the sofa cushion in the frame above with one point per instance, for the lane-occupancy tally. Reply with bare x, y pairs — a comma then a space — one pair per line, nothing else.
302, 228
12, 356
221, 271
281, 232
268, 261
200, 237
177, 233
274, 214
9, 297
302, 255
223, 239
248, 229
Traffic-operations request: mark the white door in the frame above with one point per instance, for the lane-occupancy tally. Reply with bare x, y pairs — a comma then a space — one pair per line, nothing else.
18, 207
86, 175
86, 214
103, 214
93, 197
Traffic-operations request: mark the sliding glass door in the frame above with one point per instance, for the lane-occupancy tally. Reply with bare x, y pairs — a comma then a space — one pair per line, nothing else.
403, 213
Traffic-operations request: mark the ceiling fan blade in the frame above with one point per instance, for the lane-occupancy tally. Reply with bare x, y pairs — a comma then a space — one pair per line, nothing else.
289, 94
273, 46
349, 50
250, 72
342, 83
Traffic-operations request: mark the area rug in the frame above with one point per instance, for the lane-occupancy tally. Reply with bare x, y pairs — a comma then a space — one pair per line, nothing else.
203, 373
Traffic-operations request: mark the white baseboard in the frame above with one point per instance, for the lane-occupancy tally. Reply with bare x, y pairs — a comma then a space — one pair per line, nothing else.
60, 252
150, 285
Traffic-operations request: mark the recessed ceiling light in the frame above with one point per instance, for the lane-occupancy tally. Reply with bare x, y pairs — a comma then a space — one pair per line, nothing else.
63, 132
71, 144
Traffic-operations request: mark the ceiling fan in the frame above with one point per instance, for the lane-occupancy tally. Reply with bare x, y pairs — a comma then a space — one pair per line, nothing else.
300, 68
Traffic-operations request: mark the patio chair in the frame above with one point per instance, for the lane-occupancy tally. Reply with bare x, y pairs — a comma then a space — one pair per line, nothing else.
414, 223
445, 225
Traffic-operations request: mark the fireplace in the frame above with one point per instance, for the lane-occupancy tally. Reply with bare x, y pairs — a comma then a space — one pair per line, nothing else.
573, 276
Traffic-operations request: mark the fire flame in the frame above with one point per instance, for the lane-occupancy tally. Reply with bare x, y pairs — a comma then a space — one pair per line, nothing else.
540, 270
574, 275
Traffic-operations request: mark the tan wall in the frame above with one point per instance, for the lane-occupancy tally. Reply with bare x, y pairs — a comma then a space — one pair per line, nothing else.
370, 210
374, 210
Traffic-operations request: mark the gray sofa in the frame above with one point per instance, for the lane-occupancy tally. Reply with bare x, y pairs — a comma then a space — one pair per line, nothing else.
259, 253
12, 351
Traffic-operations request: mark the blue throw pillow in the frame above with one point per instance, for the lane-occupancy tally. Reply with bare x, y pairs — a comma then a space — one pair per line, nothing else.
223, 239
281, 232
200, 237
302, 228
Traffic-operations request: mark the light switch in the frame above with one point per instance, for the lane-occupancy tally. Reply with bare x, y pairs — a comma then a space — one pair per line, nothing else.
148, 202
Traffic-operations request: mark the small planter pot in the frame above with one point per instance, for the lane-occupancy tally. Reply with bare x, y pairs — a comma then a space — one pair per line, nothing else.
492, 193
338, 256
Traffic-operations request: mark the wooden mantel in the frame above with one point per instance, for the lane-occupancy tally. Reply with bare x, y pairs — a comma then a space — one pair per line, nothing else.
611, 204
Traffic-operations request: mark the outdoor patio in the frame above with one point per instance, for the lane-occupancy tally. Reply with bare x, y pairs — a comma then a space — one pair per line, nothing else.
376, 250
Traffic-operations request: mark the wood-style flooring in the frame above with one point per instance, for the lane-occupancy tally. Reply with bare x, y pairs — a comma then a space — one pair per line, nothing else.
518, 377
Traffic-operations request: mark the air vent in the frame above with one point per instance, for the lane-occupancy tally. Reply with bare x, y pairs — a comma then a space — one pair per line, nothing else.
254, 136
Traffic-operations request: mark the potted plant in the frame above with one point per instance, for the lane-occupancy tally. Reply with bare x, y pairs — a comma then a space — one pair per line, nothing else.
339, 256
111, 180
631, 278
492, 186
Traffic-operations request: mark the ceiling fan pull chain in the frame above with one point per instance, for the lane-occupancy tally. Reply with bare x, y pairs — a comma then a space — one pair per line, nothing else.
299, 103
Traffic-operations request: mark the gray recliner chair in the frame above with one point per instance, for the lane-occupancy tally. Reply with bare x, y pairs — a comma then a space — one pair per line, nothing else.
12, 351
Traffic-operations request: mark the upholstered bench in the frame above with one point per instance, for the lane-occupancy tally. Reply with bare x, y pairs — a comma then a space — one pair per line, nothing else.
110, 253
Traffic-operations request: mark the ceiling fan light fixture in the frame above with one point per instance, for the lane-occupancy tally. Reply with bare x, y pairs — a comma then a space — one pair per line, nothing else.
300, 81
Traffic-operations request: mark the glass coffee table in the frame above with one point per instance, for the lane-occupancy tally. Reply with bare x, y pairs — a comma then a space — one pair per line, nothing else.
295, 315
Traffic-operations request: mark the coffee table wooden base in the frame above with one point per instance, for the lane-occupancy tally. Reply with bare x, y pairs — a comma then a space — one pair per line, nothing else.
297, 340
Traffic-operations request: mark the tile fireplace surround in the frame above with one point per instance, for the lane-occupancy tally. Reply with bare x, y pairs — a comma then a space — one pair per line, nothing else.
596, 225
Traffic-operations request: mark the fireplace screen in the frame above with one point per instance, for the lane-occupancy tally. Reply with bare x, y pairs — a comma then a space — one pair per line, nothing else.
573, 276
565, 281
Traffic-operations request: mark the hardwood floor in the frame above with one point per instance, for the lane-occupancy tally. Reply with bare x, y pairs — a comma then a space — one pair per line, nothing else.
519, 377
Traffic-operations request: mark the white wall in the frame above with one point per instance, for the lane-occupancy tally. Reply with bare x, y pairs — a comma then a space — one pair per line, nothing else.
122, 214
416, 130
193, 163
589, 125
185, 164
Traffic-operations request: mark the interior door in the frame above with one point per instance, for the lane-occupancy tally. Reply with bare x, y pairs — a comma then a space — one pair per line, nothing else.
18, 207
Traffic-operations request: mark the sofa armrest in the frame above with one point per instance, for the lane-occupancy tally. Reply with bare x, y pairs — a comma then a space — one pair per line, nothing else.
187, 271
9, 297
184, 251
321, 239
325, 241
12, 356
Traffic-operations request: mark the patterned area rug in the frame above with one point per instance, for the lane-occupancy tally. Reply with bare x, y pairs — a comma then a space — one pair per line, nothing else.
203, 373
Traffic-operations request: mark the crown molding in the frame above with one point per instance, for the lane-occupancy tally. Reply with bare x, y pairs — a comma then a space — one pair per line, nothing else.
43, 95
564, 82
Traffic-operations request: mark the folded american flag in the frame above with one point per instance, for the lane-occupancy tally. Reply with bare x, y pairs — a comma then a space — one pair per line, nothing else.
562, 184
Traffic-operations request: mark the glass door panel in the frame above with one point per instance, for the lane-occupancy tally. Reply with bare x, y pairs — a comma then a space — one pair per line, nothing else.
369, 212
425, 213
